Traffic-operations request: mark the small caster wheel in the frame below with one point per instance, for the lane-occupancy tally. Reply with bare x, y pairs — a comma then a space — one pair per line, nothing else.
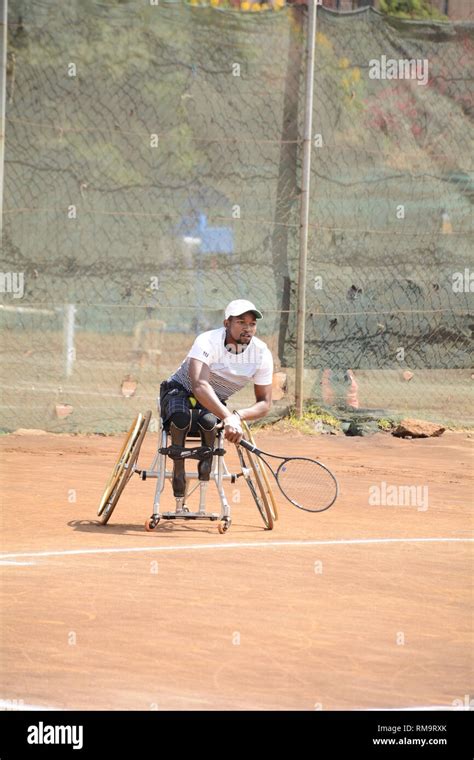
151, 523
224, 526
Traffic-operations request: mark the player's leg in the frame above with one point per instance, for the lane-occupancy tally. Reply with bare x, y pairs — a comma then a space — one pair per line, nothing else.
207, 424
176, 416
179, 424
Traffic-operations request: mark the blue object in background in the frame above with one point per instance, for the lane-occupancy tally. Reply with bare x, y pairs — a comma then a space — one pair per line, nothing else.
208, 244
218, 240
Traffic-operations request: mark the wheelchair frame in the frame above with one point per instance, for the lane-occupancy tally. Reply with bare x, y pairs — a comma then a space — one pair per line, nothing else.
251, 469
218, 474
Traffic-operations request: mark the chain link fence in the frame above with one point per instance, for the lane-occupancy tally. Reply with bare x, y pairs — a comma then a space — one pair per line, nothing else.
152, 174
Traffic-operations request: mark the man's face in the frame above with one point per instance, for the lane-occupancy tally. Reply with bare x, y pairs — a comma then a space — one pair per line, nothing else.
242, 328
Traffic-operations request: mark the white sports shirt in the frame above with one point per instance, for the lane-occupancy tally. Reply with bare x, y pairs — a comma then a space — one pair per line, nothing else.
229, 371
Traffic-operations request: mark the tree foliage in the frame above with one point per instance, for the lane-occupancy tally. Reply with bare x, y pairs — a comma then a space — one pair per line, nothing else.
411, 9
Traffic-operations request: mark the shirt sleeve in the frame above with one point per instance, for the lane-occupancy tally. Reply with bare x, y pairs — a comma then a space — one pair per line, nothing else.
202, 349
264, 374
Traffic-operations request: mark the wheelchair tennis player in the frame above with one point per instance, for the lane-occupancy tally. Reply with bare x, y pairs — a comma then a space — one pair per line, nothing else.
220, 363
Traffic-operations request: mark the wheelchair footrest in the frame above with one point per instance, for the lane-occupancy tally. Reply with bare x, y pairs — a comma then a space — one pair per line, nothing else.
198, 452
190, 516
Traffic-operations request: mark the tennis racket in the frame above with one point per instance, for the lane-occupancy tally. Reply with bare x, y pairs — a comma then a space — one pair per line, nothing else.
306, 483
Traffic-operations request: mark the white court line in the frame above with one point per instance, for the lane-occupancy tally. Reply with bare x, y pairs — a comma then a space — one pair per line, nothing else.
243, 545
415, 707
15, 706
12, 562
12, 705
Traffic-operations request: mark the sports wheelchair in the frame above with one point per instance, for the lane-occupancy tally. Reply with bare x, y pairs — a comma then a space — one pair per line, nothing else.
251, 469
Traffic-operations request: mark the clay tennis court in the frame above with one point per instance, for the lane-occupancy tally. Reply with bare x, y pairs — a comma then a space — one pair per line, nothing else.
358, 607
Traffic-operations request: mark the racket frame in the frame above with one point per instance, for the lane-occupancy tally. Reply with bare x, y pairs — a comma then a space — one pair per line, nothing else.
258, 452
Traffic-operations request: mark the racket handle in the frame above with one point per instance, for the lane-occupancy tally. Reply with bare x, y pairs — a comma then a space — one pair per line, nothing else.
243, 442
247, 445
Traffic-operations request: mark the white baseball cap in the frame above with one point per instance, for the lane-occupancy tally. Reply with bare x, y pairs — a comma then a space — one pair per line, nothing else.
236, 308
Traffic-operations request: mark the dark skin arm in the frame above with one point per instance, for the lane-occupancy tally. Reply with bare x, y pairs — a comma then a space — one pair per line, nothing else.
263, 403
199, 374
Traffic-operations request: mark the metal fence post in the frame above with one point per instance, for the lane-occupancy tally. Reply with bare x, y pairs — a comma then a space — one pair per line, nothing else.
304, 208
3, 100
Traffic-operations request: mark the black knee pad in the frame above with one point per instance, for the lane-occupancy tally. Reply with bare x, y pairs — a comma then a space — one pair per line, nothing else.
180, 420
207, 421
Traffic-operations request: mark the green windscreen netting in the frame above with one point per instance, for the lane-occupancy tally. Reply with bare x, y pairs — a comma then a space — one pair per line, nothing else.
153, 173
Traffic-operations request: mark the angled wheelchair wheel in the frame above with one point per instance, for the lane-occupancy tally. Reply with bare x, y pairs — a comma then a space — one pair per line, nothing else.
258, 465
123, 469
255, 487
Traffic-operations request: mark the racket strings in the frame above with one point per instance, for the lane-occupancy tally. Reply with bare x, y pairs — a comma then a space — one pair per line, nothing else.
307, 484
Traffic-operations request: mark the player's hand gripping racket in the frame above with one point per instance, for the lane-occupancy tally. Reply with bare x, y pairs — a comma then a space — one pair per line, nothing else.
306, 483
